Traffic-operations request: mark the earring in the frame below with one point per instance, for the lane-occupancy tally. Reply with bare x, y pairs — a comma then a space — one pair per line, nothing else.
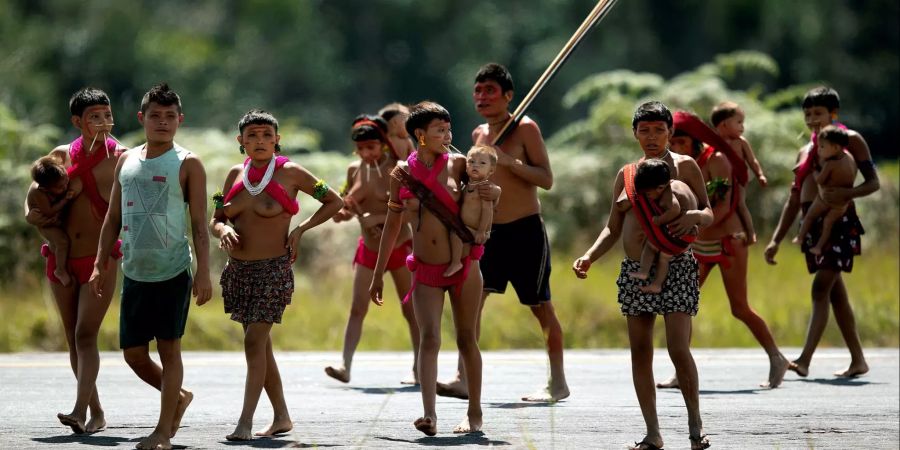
241, 148
384, 148
277, 148
421, 141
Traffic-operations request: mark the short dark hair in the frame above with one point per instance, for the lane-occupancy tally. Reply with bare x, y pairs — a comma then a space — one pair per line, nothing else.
822, 96
495, 72
86, 97
47, 170
835, 135
651, 173
257, 117
723, 111
366, 128
422, 113
162, 95
652, 111
392, 110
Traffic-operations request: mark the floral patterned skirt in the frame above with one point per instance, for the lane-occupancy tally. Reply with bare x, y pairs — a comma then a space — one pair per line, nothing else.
257, 291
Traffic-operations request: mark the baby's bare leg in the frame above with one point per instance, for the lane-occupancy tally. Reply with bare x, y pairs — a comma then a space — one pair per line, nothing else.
662, 270
58, 241
816, 210
831, 217
648, 256
456, 251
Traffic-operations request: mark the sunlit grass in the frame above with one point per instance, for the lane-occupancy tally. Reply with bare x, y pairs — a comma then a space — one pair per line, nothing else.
587, 309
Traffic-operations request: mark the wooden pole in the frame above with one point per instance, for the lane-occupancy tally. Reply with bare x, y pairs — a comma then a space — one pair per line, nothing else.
600, 10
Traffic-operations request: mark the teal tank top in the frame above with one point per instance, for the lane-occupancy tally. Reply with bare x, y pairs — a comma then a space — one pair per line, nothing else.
154, 211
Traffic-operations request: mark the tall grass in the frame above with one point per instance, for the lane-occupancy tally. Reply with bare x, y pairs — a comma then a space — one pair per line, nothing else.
587, 309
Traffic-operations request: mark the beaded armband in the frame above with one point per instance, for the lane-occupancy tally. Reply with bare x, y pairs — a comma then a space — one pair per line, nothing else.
320, 189
395, 206
218, 200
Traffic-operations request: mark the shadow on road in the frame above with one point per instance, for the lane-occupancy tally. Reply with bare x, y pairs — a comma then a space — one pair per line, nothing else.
381, 390
88, 439
736, 391
519, 405
477, 438
274, 443
836, 381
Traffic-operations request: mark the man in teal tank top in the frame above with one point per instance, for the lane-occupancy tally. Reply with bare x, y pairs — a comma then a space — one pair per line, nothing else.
157, 186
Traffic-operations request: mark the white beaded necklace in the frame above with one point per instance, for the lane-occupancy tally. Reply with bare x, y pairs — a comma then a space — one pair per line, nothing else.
267, 177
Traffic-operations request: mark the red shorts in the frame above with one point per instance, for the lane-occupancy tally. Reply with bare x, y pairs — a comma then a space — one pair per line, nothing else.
368, 258
80, 268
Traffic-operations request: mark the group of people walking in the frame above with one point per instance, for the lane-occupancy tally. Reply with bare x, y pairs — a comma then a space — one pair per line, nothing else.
441, 223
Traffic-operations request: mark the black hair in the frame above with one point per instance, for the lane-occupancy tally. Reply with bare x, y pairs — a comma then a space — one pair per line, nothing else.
651, 173
822, 96
47, 171
835, 135
723, 111
162, 95
422, 113
495, 72
257, 117
86, 97
696, 144
392, 110
366, 128
652, 111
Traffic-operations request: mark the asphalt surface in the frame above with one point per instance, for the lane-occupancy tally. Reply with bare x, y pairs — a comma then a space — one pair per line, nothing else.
375, 411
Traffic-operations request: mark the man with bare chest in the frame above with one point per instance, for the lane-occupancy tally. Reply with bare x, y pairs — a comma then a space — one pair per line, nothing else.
518, 251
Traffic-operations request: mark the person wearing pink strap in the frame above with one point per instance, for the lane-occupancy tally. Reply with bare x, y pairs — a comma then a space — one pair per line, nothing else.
430, 176
90, 161
252, 222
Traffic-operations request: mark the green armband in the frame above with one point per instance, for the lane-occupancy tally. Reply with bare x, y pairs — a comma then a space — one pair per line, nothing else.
320, 189
218, 200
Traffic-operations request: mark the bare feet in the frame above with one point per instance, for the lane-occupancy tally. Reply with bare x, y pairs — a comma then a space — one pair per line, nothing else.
279, 425
63, 276
426, 425
156, 441
816, 250
638, 275
413, 380
699, 442
186, 398
241, 432
97, 423
648, 443
651, 288
671, 383
455, 389
469, 425
73, 422
796, 240
777, 368
548, 395
453, 268
802, 370
855, 370
341, 374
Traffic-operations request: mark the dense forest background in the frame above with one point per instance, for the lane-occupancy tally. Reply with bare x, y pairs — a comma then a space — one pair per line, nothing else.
316, 64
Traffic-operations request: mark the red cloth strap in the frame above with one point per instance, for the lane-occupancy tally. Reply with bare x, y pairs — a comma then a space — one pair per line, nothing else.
428, 177
644, 210
83, 164
274, 189
696, 129
808, 164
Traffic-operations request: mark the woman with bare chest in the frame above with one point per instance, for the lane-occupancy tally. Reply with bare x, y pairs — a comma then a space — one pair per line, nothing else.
258, 280
366, 197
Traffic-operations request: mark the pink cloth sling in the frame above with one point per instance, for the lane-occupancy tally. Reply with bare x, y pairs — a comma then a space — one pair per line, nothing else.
274, 189
83, 165
428, 177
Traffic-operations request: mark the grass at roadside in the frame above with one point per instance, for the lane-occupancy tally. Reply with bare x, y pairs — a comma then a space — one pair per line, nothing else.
587, 309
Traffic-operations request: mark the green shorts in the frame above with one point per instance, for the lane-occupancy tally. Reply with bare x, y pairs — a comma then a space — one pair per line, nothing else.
156, 309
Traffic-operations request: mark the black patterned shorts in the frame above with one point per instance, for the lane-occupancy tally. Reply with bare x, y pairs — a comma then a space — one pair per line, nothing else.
680, 291
257, 291
843, 245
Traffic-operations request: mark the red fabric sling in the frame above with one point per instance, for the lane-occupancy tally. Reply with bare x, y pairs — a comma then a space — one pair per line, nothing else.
644, 210
83, 165
274, 189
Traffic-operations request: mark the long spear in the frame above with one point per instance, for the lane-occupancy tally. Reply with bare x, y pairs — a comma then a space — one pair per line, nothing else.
595, 16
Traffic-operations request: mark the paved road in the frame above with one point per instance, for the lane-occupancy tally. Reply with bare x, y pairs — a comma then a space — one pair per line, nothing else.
374, 411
